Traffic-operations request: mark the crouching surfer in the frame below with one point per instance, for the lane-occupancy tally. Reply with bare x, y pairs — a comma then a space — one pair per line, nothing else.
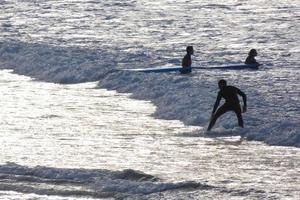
187, 61
230, 94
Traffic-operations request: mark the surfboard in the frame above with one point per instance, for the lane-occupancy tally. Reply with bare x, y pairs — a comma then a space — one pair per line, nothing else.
156, 69
177, 68
232, 67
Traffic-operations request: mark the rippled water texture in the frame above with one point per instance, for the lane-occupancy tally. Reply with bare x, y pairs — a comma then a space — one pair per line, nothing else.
81, 126
218, 30
80, 41
78, 126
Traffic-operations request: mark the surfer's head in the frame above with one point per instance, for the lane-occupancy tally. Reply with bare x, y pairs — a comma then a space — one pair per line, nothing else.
222, 83
190, 50
252, 53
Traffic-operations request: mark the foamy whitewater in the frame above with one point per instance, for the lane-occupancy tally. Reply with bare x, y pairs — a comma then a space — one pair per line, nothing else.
75, 125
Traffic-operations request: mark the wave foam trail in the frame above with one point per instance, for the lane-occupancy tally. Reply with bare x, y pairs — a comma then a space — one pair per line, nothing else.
190, 99
54, 64
63, 64
186, 98
84, 182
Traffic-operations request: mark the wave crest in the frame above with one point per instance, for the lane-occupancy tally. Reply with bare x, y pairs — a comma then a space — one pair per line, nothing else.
83, 182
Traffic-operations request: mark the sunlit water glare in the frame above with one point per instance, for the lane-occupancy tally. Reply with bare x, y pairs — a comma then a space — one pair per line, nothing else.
67, 126
48, 128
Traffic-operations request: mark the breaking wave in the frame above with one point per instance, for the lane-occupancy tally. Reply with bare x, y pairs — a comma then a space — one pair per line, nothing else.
186, 98
98, 183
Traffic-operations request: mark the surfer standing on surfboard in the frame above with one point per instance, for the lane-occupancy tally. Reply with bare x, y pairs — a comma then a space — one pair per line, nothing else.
187, 61
232, 103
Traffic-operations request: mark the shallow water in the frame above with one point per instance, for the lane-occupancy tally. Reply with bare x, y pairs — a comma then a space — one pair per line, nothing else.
49, 131
77, 126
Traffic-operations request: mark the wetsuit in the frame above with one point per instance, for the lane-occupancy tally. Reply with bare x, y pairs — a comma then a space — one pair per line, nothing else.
230, 94
186, 64
250, 60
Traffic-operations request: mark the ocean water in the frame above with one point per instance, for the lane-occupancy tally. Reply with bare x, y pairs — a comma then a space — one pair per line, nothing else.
74, 125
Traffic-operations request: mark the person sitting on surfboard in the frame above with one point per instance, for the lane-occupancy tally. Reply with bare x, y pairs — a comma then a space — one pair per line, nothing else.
187, 61
230, 94
251, 57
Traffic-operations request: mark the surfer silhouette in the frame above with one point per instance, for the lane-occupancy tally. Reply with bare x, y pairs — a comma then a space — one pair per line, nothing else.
251, 57
187, 61
230, 94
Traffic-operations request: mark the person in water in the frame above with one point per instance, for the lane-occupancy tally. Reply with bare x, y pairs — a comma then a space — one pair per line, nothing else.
230, 94
187, 61
251, 57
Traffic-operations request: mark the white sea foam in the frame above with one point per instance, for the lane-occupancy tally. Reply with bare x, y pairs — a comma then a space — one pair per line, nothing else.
72, 42
81, 41
186, 98
98, 183
84, 182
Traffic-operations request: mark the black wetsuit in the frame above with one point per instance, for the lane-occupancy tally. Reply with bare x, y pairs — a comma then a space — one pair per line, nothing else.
230, 94
250, 60
186, 64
